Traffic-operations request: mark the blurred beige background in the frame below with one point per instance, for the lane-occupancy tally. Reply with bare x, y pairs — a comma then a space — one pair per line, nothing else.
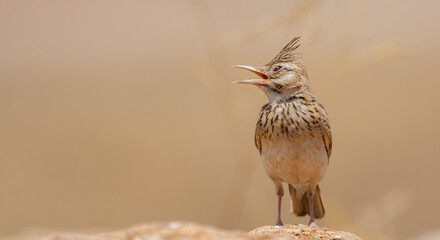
114, 113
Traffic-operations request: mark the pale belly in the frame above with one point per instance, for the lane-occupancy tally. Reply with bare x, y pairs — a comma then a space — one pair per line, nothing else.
301, 162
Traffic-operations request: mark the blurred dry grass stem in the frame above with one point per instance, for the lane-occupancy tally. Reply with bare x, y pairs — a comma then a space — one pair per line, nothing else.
212, 72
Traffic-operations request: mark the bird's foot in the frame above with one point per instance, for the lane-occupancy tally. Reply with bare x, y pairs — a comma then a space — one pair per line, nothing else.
279, 223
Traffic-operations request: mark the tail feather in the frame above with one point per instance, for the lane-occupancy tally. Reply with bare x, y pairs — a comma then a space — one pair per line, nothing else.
300, 206
317, 204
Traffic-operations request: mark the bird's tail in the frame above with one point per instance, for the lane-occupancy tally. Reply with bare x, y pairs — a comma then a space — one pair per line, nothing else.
300, 206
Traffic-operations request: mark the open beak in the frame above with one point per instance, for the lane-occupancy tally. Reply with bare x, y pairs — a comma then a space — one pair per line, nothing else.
259, 72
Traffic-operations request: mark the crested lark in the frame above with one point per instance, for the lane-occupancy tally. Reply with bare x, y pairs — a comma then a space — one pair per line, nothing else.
293, 132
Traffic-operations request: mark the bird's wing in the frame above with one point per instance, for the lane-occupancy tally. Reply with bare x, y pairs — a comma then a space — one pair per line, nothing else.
257, 137
259, 128
326, 131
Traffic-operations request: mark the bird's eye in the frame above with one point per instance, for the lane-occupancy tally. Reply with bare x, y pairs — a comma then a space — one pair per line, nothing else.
277, 68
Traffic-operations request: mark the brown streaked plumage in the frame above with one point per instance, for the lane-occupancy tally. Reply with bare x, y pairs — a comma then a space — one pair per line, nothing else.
293, 133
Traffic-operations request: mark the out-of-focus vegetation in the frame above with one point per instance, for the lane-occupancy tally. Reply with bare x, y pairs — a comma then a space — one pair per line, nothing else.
119, 112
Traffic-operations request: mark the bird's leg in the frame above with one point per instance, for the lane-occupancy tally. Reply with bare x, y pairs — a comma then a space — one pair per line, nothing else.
312, 211
280, 194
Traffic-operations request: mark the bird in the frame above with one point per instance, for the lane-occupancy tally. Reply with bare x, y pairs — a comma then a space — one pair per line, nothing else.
292, 133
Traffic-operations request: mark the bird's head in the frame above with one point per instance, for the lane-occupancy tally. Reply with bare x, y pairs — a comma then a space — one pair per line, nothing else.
282, 77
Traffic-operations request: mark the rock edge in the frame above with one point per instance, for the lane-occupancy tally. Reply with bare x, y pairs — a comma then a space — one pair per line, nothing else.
187, 230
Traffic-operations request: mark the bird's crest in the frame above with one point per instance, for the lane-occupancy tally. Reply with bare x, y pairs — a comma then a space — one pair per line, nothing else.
286, 54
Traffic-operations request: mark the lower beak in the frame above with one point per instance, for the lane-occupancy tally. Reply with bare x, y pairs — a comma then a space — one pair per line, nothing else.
259, 72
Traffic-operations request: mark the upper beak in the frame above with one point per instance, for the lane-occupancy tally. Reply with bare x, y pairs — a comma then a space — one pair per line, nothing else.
259, 72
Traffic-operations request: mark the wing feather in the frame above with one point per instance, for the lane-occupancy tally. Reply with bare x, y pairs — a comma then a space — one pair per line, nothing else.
326, 131
257, 137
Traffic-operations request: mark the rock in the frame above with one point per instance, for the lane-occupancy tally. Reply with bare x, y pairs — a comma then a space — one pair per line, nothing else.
187, 231
299, 232
165, 231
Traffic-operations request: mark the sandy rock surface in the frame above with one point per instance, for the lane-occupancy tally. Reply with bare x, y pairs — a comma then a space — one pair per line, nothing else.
164, 231
185, 230
299, 232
